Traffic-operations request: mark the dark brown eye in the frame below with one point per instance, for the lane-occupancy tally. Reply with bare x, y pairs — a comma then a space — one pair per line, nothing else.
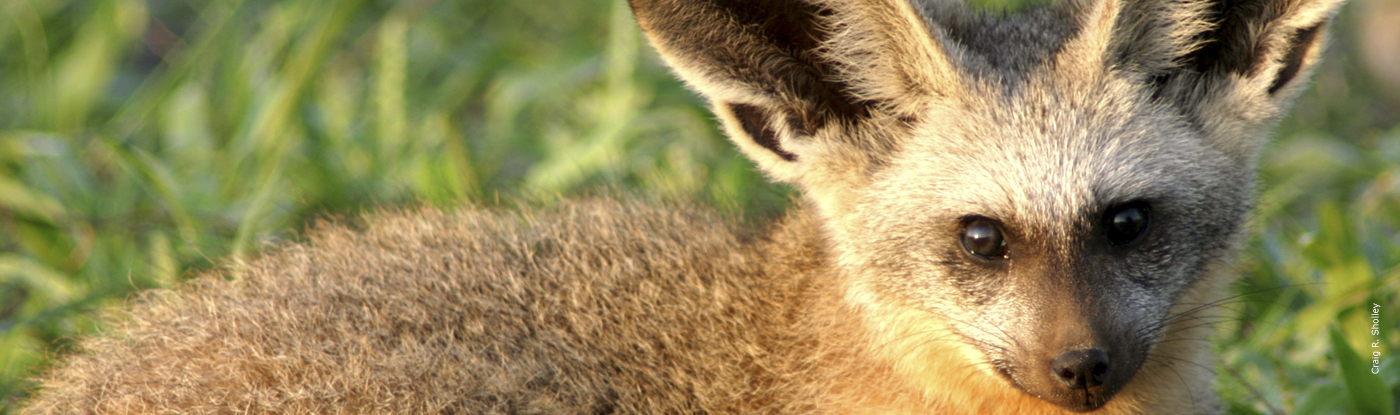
983, 238
1127, 222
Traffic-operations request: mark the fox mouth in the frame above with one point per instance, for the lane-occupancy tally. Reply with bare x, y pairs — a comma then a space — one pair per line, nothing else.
1090, 400
1081, 380
1078, 400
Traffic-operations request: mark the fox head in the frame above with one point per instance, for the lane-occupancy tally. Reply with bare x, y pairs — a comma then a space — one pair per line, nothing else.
1048, 189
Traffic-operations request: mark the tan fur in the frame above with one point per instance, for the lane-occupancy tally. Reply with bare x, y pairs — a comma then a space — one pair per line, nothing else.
471, 311
905, 125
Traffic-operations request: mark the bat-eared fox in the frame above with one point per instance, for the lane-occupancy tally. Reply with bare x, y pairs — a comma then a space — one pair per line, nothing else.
1030, 213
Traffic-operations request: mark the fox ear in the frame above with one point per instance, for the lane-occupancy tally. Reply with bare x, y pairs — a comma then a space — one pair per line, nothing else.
1252, 58
798, 83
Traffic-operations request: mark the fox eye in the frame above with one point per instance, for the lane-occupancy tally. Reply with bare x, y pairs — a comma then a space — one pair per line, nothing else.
983, 238
1125, 223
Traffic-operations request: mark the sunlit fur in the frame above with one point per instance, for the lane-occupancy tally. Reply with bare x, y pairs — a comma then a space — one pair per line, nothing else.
899, 122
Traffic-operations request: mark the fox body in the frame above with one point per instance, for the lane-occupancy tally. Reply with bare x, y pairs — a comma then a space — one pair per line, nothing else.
1024, 214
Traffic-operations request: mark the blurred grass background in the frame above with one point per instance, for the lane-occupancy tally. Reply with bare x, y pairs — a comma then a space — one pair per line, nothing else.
143, 140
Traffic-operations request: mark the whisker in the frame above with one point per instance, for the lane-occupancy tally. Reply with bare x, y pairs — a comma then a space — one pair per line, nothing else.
1252, 390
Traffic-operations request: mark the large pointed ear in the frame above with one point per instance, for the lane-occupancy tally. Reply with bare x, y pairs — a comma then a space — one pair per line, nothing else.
803, 87
1252, 58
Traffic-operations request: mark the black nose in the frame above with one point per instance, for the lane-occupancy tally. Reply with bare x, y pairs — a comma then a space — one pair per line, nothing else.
1081, 369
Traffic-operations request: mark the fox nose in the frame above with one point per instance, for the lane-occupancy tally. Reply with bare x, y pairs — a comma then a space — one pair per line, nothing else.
1081, 369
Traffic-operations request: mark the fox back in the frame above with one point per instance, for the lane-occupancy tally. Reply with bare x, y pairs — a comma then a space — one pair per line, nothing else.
1025, 214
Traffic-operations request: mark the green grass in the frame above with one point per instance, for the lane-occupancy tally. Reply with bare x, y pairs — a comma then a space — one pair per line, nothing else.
142, 141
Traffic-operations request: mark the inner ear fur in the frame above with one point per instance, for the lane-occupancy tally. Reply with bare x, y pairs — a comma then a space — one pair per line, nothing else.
757, 61
1272, 40
787, 77
1270, 44
1242, 65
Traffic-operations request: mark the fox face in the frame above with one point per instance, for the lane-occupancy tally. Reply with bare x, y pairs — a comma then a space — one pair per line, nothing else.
1045, 200
1055, 244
